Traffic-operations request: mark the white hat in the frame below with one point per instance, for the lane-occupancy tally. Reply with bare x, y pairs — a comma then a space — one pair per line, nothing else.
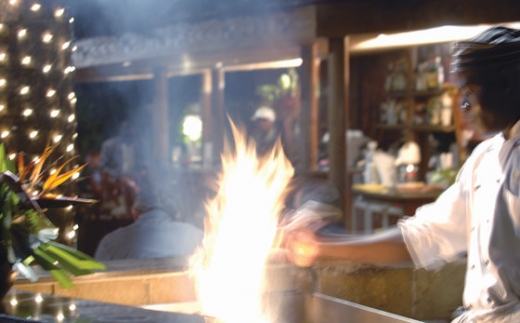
264, 113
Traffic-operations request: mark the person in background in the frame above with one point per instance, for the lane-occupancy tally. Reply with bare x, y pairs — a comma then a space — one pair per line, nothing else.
478, 217
121, 165
264, 131
158, 231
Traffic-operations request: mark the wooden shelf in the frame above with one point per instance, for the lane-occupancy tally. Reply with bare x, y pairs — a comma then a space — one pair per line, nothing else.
423, 128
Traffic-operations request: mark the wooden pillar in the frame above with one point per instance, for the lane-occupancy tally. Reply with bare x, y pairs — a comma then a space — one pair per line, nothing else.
207, 122
338, 112
309, 81
160, 115
218, 112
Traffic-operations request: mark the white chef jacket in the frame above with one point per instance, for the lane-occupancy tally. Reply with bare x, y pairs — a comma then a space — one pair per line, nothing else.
479, 215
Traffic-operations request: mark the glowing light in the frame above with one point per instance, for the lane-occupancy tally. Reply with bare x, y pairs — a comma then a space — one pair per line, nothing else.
24, 90
2, 56
74, 136
127, 63
55, 113
69, 69
12, 156
71, 234
13, 302
73, 101
60, 317
36, 7
70, 147
22, 33
33, 134
27, 112
1, 26
38, 299
65, 45
75, 48
47, 38
72, 307
246, 183
57, 138
192, 127
26, 60
69, 207
75, 227
2, 107
75, 176
71, 20
59, 12
71, 95
2, 82
71, 118
50, 93
5, 134
52, 171
12, 2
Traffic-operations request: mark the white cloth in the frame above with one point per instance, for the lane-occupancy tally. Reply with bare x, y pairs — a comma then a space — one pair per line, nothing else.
154, 235
479, 215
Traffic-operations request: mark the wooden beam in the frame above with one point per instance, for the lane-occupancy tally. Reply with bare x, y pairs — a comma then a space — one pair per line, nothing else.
309, 80
345, 18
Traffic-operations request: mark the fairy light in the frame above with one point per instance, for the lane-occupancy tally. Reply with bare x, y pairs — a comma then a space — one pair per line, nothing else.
12, 2
74, 136
13, 301
65, 45
24, 90
71, 234
72, 307
22, 33
70, 147
38, 299
73, 101
12, 156
75, 227
75, 175
47, 68
71, 118
2, 57
2, 82
36, 7
27, 112
59, 12
26, 60
71, 20
5, 134
2, 107
50, 93
47, 38
69, 207
33, 134
71, 95
52, 171
54, 113
75, 48
57, 138
69, 69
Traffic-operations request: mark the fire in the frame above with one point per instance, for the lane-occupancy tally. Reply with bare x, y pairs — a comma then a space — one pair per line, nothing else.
240, 232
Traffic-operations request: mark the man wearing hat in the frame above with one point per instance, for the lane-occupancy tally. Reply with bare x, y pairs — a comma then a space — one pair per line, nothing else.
478, 217
264, 129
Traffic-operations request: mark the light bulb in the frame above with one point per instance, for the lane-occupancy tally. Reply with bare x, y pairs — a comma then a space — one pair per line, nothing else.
65, 45
2, 56
47, 38
47, 68
26, 60
2, 82
70, 147
24, 90
55, 113
72, 307
75, 48
71, 118
71, 20
33, 134
51, 93
69, 69
12, 2
74, 136
12, 156
52, 171
22, 33
5, 134
75, 227
38, 299
2, 107
57, 138
27, 112
74, 100
71, 95
75, 175
13, 302
36, 7
59, 12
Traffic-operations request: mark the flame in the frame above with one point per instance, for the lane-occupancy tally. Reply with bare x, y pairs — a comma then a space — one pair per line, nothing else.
240, 232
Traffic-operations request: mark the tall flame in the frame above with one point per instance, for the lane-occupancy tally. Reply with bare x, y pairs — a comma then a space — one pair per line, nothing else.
240, 231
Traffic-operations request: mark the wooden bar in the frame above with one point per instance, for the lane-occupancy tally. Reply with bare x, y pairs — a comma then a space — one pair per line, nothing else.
309, 110
160, 115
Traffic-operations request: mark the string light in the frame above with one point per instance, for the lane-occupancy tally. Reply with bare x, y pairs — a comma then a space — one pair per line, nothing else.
13, 302
71, 95
38, 299
12, 2
75, 175
73, 101
36, 7
33, 134
75, 48
50, 93
27, 112
2, 57
2, 82
24, 90
2, 107
65, 45
12, 156
69, 69
59, 12
72, 307
71, 118
57, 138
74, 136
47, 38
60, 317
26, 60
47, 68
75, 227
55, 113
52, 171
22, 33
71, 20
5, 134
70, 147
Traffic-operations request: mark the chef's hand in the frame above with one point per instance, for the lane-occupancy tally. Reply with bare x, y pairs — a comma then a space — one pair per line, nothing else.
303, 246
